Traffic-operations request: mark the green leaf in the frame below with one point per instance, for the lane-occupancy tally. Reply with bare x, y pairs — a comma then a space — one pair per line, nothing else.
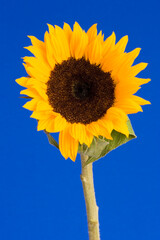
51, 140
101, 146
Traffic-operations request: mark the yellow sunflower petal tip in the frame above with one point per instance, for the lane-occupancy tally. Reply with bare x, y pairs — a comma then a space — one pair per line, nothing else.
30, 37
80, 78
113, 34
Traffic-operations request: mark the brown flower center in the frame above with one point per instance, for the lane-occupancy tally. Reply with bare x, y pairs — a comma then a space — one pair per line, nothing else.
81, 92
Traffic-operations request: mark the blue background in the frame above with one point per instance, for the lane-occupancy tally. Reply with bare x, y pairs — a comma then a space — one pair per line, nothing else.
41, 195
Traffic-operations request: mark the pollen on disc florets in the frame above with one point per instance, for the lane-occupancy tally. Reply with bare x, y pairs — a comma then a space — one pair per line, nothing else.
80, 91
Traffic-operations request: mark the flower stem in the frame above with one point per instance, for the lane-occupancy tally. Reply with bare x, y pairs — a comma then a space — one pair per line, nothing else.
90, 200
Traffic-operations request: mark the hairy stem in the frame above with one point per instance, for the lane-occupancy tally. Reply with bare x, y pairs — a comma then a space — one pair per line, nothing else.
90, 200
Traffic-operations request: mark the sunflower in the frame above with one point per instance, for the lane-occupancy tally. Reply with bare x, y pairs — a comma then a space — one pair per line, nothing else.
81, 85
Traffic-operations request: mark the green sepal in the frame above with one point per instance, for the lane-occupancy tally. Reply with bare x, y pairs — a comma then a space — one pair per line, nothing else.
26, 97
101, 146
51, 140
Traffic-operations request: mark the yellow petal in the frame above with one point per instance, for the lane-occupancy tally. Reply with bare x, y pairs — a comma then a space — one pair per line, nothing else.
129, 106
42, 124
89, 138
63, 43
141, 81
117, 120
94, 51
126, 63
93, 128
121, 45
51, 29
137, 68
111, 62
51, 123
68, 145
31, 93
121, 126
38, 53
42, 115
128, 86
109, 44
58, 44
22, 81
103, 131
35, 73
113, 56
36, 42
38, 64
131, 56
29, 82
139, 100
35, 92
79, 41
34, 83
50, 126
38, 48
115, 113
92, 33
42, 93
31, 105
60, 123
78, 131
68, 31
106, 124
44, 106
101, 36
123, 90
49, 50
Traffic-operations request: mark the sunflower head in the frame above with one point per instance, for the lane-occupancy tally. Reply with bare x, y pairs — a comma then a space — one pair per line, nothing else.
81, 85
